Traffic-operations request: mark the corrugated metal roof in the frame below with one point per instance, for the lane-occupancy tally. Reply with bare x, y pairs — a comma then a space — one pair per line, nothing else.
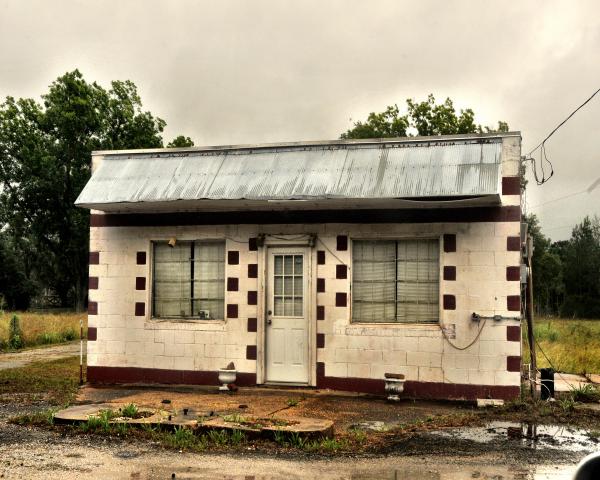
378, 170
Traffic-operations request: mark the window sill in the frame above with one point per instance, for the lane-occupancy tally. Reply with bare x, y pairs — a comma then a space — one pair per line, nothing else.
184, 324
391, 329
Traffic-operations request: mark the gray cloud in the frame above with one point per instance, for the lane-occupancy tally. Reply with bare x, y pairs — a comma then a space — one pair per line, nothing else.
241, 71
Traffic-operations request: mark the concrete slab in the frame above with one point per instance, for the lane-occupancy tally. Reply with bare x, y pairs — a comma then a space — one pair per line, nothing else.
594, 378
306, 427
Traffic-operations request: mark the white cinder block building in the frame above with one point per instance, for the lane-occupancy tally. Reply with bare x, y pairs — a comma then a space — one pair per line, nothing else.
324, 264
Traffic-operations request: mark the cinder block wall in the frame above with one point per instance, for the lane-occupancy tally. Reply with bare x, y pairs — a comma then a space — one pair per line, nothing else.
480, 273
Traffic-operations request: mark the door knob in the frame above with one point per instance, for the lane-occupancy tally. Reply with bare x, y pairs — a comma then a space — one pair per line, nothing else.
269, 321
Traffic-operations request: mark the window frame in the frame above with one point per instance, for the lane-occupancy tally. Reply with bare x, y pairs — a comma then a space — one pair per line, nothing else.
152, 289
396, 238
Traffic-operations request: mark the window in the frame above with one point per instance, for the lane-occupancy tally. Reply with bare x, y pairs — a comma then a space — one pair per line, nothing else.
189, 280
395, 281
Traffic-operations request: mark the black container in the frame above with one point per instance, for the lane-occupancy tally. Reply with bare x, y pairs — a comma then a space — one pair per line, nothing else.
547, 389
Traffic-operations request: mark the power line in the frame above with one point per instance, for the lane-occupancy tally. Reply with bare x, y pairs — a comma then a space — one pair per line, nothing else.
565, 121
542, 147
589, 189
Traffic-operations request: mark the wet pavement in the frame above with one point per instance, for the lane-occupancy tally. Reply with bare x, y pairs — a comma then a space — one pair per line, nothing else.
546, 437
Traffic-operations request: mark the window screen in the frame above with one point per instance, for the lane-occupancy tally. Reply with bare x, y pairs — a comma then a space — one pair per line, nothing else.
395, 281
189, 280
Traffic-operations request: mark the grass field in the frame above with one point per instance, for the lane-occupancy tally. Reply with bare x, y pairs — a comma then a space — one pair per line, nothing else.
55, 382
43, 328
573, 346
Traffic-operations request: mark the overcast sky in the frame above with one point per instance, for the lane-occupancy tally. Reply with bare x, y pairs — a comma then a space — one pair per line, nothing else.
226, 72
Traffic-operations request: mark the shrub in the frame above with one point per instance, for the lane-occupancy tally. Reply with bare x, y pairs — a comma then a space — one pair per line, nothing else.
15, 335
69, 335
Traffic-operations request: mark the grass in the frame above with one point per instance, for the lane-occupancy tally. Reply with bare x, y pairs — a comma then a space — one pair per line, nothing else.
56, 382
573, 346
43, 328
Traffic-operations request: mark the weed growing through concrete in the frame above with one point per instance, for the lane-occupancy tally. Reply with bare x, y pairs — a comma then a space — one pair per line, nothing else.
130, 410
292, 402
586, 393
218, 437
237, 437
182, 438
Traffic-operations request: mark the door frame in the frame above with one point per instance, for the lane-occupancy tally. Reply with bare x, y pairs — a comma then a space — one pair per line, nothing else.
310, 259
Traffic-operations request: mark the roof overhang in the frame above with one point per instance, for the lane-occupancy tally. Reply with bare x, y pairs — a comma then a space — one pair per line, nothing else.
426, 172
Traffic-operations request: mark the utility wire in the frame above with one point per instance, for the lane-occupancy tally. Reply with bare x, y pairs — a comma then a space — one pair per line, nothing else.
564, 121
542, 147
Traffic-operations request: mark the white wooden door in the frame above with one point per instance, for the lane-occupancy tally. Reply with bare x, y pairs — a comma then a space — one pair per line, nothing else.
286, 336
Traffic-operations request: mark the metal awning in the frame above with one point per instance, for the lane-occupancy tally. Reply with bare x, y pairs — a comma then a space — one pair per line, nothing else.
312, 174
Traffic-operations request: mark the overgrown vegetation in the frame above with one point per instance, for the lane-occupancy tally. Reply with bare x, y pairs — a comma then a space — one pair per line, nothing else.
573, 346
32, 329
54, 382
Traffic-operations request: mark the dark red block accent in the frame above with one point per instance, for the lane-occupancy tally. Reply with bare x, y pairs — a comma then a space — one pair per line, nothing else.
412, 389
342, 242
140, 283
252, 270
449, 302
449, 242
320, 312
140, 309
253, 244
94, 258
232, 310
232, 284
449, 273
511, 186
252, 297
513, 274
320, 285
112, 375
341, 271
92, 334
513, 244
513, 333
92, 308
320, 340
386, 215
320, 257
513, 364
250, 352
513, 303
93, 283
233, 257
252, 324
341, 299
140, 258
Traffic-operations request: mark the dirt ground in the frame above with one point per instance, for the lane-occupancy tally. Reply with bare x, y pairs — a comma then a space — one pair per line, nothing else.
345, 410
33, 452
25, 357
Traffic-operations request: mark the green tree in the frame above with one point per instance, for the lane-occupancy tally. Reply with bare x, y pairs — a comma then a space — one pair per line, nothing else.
180, 141
45, 162
547, 271
582, 271
426, 118
16, 286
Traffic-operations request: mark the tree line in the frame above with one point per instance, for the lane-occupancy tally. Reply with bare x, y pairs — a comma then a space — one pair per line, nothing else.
566, 273
45, 154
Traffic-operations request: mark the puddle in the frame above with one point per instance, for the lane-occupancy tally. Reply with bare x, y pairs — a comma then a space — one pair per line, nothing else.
529, 435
